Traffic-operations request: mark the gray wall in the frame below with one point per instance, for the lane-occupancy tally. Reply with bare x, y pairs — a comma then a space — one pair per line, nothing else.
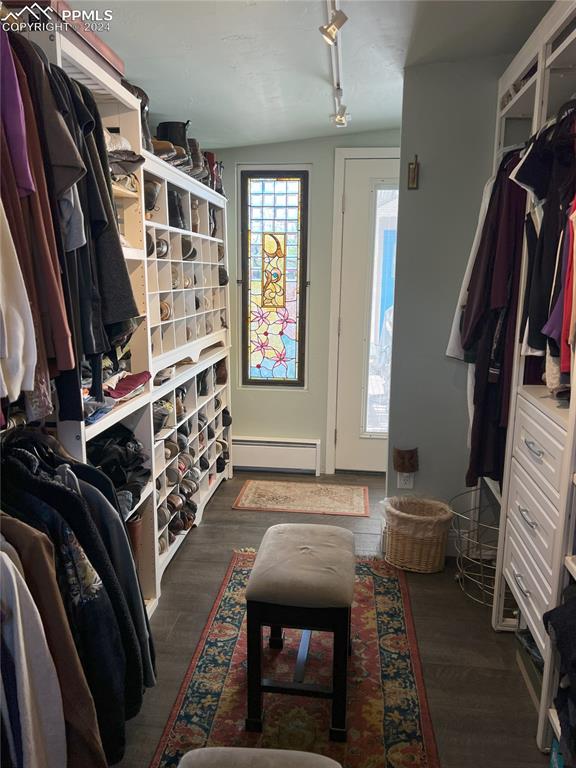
448, 121
287, 412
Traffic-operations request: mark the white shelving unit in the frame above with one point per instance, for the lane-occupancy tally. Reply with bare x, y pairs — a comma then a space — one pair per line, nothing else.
536, 556
192, 340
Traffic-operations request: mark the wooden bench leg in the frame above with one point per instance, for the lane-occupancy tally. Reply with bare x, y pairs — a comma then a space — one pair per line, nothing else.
350, 632
340, 676
276, 637
254, 665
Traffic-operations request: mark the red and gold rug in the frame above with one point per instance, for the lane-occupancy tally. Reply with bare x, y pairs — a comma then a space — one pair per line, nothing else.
310, 498
388, 719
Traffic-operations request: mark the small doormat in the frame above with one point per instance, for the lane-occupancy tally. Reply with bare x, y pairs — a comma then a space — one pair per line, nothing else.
310, 498
388, 719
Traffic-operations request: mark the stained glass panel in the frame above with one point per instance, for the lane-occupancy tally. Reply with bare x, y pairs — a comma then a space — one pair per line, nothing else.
274, 220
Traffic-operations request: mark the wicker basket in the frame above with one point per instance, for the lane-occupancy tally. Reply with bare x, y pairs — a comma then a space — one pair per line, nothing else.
416, 533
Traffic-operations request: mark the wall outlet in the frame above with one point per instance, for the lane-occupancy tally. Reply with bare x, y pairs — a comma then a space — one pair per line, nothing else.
405, 480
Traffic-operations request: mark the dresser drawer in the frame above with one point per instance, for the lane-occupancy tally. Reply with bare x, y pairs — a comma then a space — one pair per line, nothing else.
534, 517
530, 589
538, 445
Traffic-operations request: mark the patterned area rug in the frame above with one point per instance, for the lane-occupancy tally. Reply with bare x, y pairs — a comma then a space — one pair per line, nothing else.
388, 720
312, 498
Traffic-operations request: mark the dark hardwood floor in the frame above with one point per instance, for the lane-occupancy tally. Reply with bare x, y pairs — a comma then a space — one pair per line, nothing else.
482, 715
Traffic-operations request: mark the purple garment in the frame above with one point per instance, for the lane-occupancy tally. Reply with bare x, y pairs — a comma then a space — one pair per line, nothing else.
553, 328
12, 114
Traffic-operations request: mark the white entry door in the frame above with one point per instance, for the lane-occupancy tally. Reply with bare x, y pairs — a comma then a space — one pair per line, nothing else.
370, 212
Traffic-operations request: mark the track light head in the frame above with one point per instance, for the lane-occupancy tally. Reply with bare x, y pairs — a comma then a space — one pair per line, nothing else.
330, 31
341, 117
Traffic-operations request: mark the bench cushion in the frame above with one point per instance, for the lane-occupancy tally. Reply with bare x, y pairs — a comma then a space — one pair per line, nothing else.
307, 566
236, 757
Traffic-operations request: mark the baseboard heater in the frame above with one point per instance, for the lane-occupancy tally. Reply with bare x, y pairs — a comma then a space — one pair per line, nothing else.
276, 454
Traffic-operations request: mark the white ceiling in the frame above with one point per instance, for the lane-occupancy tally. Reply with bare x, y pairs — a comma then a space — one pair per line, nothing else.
257, 71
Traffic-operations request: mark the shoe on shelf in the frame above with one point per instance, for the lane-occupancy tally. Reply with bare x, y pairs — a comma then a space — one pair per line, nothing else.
195, 214
163, 149
202, 383
163, 515
175, 211
151, 194
226, 418
204, 463
174, 131
197, 158
221, 372
170, 449
162, 248
222, 276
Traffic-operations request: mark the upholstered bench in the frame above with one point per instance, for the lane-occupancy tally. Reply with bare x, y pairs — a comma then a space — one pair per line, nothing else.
237, 757
303, 578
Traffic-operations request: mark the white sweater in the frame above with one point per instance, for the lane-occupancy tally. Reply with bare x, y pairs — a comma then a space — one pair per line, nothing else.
17, 337
42, 727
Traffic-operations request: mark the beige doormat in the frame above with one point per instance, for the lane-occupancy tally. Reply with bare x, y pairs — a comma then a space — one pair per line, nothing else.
311, 498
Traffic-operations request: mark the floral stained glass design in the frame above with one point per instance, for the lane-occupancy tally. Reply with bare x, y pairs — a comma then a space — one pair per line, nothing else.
274, 266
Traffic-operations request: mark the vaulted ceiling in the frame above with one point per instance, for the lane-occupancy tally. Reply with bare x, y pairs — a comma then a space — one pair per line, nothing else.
256, 71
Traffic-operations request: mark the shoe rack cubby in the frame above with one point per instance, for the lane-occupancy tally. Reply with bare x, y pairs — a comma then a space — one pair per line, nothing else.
184, 317
192, 413
186, 265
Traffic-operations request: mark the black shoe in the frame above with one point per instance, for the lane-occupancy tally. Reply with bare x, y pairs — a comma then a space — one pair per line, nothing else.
226, 418
204, 463
202, 383
222, 276
175, 212
220, 464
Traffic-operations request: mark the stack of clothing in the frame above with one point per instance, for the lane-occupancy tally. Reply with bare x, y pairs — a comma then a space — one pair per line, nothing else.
121, 457
77, 651
64, 277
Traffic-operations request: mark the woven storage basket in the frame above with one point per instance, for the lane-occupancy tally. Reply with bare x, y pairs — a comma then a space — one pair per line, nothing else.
416, 533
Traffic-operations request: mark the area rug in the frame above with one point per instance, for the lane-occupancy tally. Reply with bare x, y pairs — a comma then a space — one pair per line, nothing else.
388, 720
311, 498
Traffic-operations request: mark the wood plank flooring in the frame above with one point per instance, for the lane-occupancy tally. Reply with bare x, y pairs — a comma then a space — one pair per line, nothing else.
482, 715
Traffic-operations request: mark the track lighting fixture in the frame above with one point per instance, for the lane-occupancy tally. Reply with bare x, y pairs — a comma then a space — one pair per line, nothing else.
341, 117
330, 31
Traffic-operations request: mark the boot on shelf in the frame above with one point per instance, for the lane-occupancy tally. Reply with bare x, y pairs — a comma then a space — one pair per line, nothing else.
175, 210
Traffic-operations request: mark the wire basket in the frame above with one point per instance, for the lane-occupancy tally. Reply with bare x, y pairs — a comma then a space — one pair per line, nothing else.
476, 525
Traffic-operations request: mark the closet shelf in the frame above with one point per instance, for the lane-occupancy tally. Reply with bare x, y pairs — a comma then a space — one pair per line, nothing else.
192, 349
565, 55
117, 414
146, 493
163, 170
522, 104
134, 254
570, 563
178, 231
186, 371
122, 193
540, 397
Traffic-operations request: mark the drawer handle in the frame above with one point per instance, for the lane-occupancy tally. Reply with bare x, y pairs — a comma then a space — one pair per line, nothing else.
526, 517
533, 448
521, 587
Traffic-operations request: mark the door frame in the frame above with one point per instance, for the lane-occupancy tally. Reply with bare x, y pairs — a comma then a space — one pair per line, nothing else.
340, 157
